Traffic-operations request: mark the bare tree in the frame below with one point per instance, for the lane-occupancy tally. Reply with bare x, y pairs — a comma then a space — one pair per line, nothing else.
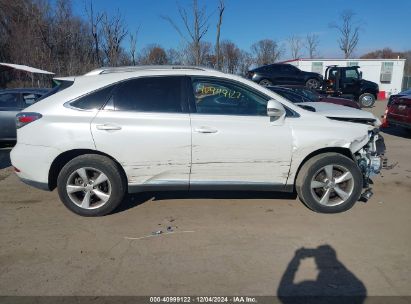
245, 62
296, 44
133, 45
311, 44
196, 27
94, 23
174, 56
231, 56
221, 8
114, 32
349, 31
266, 51
153, 54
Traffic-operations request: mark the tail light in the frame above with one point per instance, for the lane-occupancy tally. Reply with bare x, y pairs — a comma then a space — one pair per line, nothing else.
25, 118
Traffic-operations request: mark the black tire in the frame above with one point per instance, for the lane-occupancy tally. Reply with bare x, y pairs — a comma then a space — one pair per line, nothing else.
265, 83
366, 100
313, 83
311, 168
116, 181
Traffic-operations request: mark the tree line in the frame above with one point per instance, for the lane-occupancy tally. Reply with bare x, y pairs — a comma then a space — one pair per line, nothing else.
51, 37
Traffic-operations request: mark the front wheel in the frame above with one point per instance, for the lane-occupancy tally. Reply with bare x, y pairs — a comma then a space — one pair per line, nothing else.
329, 183
366, 100
91, 185
313, 83
265, 83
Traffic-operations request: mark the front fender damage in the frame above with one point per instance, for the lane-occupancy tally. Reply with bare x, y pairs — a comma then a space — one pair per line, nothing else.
370, 159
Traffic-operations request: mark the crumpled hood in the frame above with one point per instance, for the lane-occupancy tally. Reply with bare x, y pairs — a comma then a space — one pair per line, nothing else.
337, 111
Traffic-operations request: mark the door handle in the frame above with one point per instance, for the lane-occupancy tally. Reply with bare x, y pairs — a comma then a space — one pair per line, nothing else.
108, 127
205, 130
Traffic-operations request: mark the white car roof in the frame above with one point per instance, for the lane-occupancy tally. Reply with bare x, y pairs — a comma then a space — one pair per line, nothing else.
102, 77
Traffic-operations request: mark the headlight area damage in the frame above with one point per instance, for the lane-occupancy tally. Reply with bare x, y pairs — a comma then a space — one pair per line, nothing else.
371, 160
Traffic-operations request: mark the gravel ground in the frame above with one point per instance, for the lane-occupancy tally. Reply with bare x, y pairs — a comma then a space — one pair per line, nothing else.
221, 243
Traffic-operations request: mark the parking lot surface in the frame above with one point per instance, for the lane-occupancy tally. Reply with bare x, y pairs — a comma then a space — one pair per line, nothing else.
211, 243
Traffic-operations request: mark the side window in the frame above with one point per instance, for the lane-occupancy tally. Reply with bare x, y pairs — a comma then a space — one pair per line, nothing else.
289, 69
149, 94
30, 98
94, 100
227, 98
351, 74
9, 101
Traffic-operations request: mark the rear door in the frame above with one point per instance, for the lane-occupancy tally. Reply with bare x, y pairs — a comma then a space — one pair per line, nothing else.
9, 107
145, 125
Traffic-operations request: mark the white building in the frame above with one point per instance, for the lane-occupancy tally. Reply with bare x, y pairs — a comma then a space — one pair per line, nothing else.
388, 73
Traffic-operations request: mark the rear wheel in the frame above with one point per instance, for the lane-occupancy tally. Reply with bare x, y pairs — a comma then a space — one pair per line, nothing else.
91, 185
312, 83
366, 100
329, 183
265, 83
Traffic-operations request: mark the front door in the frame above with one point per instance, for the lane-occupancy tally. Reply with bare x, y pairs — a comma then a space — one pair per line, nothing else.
145, 125
234, 142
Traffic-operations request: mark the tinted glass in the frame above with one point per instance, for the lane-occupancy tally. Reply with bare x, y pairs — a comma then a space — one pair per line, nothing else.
218, 97
151, 94
306, 93
294, 98
60, 87
30, 98
288, 69
94, 100
351, 74
9, 100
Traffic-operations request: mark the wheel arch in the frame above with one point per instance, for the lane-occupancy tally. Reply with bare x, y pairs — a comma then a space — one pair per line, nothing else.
344, 151
62, 159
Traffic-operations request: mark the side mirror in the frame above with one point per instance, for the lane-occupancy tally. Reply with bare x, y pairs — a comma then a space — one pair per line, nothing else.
275, 109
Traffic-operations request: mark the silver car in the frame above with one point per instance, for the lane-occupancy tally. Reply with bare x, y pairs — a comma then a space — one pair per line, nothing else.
13, 101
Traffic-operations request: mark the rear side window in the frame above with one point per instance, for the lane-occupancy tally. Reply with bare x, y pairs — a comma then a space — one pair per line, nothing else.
151, 94
9, 101
94, 100
30, 98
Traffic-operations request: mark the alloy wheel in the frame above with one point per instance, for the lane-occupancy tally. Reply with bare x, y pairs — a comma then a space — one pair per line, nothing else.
332, 185
312, 84
367, 101
88, 188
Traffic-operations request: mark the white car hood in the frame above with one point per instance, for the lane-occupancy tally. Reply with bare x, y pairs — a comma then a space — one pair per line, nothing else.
338, 111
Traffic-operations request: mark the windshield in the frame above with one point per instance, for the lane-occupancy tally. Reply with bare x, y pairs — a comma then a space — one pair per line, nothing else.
312, 96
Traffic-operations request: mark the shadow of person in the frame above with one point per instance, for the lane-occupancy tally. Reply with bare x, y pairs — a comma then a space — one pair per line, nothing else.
334, 283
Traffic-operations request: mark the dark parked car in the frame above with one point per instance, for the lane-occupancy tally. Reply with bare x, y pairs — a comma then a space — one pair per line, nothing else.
401, 94
301, 93
13, 101
280, 73
315, 96
399, 112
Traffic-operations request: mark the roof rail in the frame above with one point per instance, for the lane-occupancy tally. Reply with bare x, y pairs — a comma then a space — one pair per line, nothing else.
123, 69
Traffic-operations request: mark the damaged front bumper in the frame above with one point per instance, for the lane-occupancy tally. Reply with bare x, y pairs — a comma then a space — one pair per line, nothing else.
371, 160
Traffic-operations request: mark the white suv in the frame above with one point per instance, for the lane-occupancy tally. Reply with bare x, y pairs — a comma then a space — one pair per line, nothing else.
132, 129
